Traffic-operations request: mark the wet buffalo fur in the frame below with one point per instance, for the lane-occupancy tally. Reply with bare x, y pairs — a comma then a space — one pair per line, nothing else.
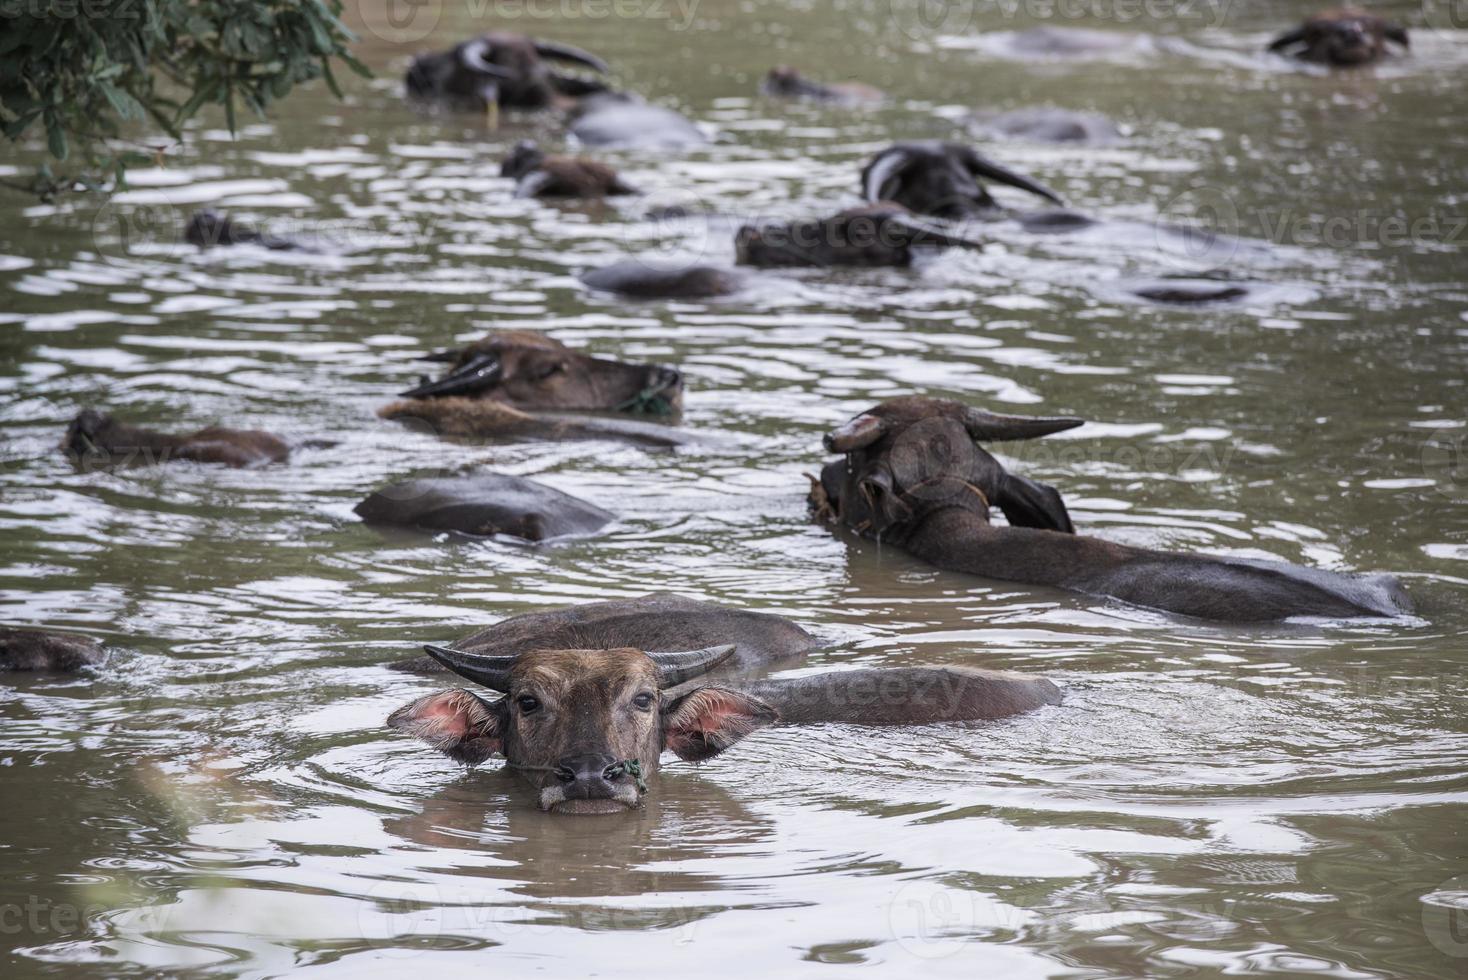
882, 234
940, 179
913, 477
44, 650
659, 621
525, 369
97, 440
538, 175
643, 281
1344, 38
788, 83
503, 69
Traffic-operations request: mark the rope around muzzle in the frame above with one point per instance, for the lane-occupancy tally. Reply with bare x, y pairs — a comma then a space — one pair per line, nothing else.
649, 401
630, 767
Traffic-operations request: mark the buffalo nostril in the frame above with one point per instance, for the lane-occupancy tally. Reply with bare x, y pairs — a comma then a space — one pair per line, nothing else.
565, 774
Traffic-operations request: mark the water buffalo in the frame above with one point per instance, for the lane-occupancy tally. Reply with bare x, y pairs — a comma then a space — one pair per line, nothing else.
1343, 38
584, 727
786, 82
487, 418
1049, 125
619, 119
209, 228
873, 235
500, 69
44, 650
538, 175
912, 476
657, 621
483, 504
526, 369
94, 440
1071, 42
938, 178
641, 280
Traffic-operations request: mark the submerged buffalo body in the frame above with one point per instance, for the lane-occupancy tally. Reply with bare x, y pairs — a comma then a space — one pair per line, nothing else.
617, 119
538, 175
530, 371
45, 650
642, 280
912, 476
208, 229
1050, 125
788, 83
483, 504
941, 179
95, 440
658, 621
1344, 38
500, 69
874, 235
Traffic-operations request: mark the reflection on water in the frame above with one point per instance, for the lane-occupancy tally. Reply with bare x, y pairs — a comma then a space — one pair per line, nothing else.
1286, 799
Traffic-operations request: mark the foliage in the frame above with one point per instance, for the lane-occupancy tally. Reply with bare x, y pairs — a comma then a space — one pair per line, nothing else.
80, 69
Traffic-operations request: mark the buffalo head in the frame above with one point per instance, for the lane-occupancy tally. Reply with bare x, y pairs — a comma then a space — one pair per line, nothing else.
909, 458
1345, 38
500, 69
528, 370
583, 727
941, 179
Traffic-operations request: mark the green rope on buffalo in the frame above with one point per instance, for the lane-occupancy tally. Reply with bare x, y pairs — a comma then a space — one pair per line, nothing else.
648, 401
633, 768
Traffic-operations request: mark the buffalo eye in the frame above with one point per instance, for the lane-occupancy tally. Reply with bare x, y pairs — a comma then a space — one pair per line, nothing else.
643, 701
528, 704
547, 371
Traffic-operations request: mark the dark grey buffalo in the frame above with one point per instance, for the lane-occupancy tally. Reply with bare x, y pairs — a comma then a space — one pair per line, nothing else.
483, 504
873, 235
940, 179
913, 477
643, 280
786, 82
1348, 37
47, 650
501, 69
618, 119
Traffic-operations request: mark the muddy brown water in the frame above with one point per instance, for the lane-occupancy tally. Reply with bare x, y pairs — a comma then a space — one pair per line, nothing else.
224, 799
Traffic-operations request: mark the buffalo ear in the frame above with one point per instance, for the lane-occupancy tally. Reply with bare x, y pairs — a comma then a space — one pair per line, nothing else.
707, 720
1030, 503
462, 726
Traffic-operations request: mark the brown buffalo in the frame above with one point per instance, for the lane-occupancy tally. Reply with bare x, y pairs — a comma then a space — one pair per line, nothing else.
788, 83
538, 175
883, 234
501, 69
483, 504
642, 280
530, 371
95, 440
913, 476
584, 727
1343, 38
941, 179
44, 650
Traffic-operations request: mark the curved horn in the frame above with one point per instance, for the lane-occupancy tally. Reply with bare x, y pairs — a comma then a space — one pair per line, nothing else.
474, 55
1396, 32
556, 51
480, 373
888, 165
925, 235
987, 426
1288, 38
861, 431
675, 668
982, 166
491, 672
